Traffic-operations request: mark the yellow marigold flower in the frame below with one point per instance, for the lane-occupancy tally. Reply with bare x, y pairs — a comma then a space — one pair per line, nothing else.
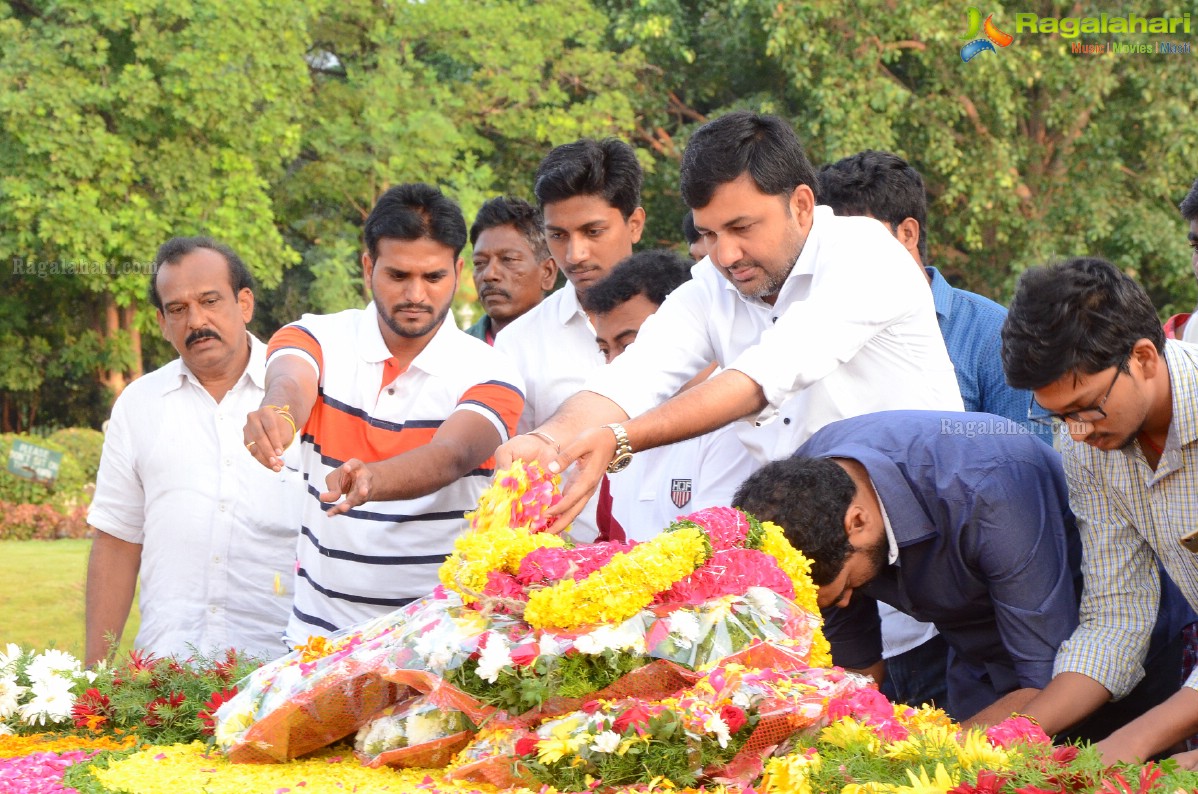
797, 567
552, 750
622, 587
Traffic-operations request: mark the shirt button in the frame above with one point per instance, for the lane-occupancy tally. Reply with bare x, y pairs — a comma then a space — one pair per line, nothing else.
212, 609
222, 507
773, 319
786, 421
216, 558
228, 462
391, 391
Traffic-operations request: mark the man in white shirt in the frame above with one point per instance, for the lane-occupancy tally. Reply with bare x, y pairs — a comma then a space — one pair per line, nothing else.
814, 318
676, 479
590, 195
179, 502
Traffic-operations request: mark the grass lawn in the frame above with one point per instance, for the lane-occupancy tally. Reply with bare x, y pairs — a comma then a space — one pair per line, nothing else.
42, 595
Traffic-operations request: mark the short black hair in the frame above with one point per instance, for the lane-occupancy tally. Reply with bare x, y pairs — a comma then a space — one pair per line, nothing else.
174, 249
765, 147
808, 498
587, 167
879, 184
415, 211
688, 228
1082, 315
654, 274
517, 213
1189, 204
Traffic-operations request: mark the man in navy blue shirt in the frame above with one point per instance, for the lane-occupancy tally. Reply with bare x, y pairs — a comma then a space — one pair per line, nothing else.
961, 519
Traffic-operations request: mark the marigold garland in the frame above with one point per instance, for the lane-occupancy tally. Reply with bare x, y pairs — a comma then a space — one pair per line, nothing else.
503, 530
773, 542
13, 746
623, 587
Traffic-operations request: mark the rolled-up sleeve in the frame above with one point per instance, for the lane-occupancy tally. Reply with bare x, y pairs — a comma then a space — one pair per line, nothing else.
839, 316
1121, 593
672, 346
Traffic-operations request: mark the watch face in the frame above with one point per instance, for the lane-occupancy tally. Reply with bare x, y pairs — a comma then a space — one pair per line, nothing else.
620, 463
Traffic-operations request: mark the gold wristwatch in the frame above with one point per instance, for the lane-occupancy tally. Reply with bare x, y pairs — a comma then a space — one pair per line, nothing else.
623, 454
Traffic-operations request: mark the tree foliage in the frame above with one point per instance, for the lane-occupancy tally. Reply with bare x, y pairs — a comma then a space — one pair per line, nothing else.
275, 125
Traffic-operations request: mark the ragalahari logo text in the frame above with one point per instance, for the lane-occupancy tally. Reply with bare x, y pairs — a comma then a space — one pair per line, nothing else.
977, 45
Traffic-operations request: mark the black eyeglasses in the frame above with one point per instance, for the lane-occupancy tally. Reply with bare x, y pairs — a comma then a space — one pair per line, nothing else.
1087, 415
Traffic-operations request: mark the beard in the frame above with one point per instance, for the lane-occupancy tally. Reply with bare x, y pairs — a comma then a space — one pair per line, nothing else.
410, 332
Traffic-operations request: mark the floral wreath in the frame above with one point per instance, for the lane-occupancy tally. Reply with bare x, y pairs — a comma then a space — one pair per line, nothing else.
509, 561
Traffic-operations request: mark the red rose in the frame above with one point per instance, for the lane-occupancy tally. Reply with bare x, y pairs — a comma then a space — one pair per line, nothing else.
524, 655
733, 717
634, 717
527, 745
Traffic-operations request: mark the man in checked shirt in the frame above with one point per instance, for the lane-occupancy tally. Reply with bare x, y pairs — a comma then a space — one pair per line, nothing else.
1085, 338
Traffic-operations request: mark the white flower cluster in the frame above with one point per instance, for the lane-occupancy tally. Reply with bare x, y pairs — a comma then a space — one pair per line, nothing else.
407, 724
46, 697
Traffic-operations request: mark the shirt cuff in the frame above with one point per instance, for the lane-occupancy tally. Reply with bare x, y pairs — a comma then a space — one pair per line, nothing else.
1103, 660
106, 522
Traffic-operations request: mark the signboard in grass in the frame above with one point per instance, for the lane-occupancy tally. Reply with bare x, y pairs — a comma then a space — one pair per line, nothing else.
33, 462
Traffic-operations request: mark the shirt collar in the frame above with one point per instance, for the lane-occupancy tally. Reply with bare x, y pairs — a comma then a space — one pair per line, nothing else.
804, 265
903, 515
891, 543
371, 346
255, 369
568, 306
942, 293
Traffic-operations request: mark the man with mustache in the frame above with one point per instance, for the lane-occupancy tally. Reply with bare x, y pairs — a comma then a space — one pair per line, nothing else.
513, 269
590, 195
178, 502
399, 413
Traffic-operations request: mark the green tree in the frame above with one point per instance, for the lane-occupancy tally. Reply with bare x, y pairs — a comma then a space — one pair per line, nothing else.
461, 94
120, 126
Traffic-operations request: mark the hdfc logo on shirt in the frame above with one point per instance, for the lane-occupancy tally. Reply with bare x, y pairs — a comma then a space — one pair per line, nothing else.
680, 493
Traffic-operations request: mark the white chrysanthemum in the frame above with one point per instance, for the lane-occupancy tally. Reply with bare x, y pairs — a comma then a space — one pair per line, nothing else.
51, 664
684, 626
764, 601
717, 727
606, 742
426, 727
9, 658
437, 649
5, 729
742, 699
495, 656
10, 696
626, 636
549, 645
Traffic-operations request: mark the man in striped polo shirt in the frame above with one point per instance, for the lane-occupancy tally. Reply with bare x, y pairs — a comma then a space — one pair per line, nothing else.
398, 412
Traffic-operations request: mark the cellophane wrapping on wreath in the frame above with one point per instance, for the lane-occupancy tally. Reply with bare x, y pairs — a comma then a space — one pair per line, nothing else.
722, 727
415, 733
718, 587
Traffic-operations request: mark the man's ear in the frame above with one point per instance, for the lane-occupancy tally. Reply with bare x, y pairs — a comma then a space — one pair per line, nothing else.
367, 269
854, 520
907, 233
636, 224
1145, 352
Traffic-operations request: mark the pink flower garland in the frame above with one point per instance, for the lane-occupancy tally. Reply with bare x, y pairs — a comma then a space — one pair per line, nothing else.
39, 773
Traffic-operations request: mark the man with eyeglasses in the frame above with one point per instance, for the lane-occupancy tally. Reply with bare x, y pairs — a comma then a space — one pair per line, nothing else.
1085, 338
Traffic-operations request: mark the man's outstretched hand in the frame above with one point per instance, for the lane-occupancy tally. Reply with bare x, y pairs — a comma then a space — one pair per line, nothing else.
589, 453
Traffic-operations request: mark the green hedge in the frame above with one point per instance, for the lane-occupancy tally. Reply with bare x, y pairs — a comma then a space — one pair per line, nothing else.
71, 490
85, 444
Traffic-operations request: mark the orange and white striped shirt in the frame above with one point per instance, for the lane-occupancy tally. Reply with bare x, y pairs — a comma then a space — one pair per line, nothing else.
382, 555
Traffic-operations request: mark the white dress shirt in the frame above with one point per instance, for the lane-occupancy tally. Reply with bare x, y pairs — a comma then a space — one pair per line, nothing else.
662, 484
217, 528
553, 347
853, 331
